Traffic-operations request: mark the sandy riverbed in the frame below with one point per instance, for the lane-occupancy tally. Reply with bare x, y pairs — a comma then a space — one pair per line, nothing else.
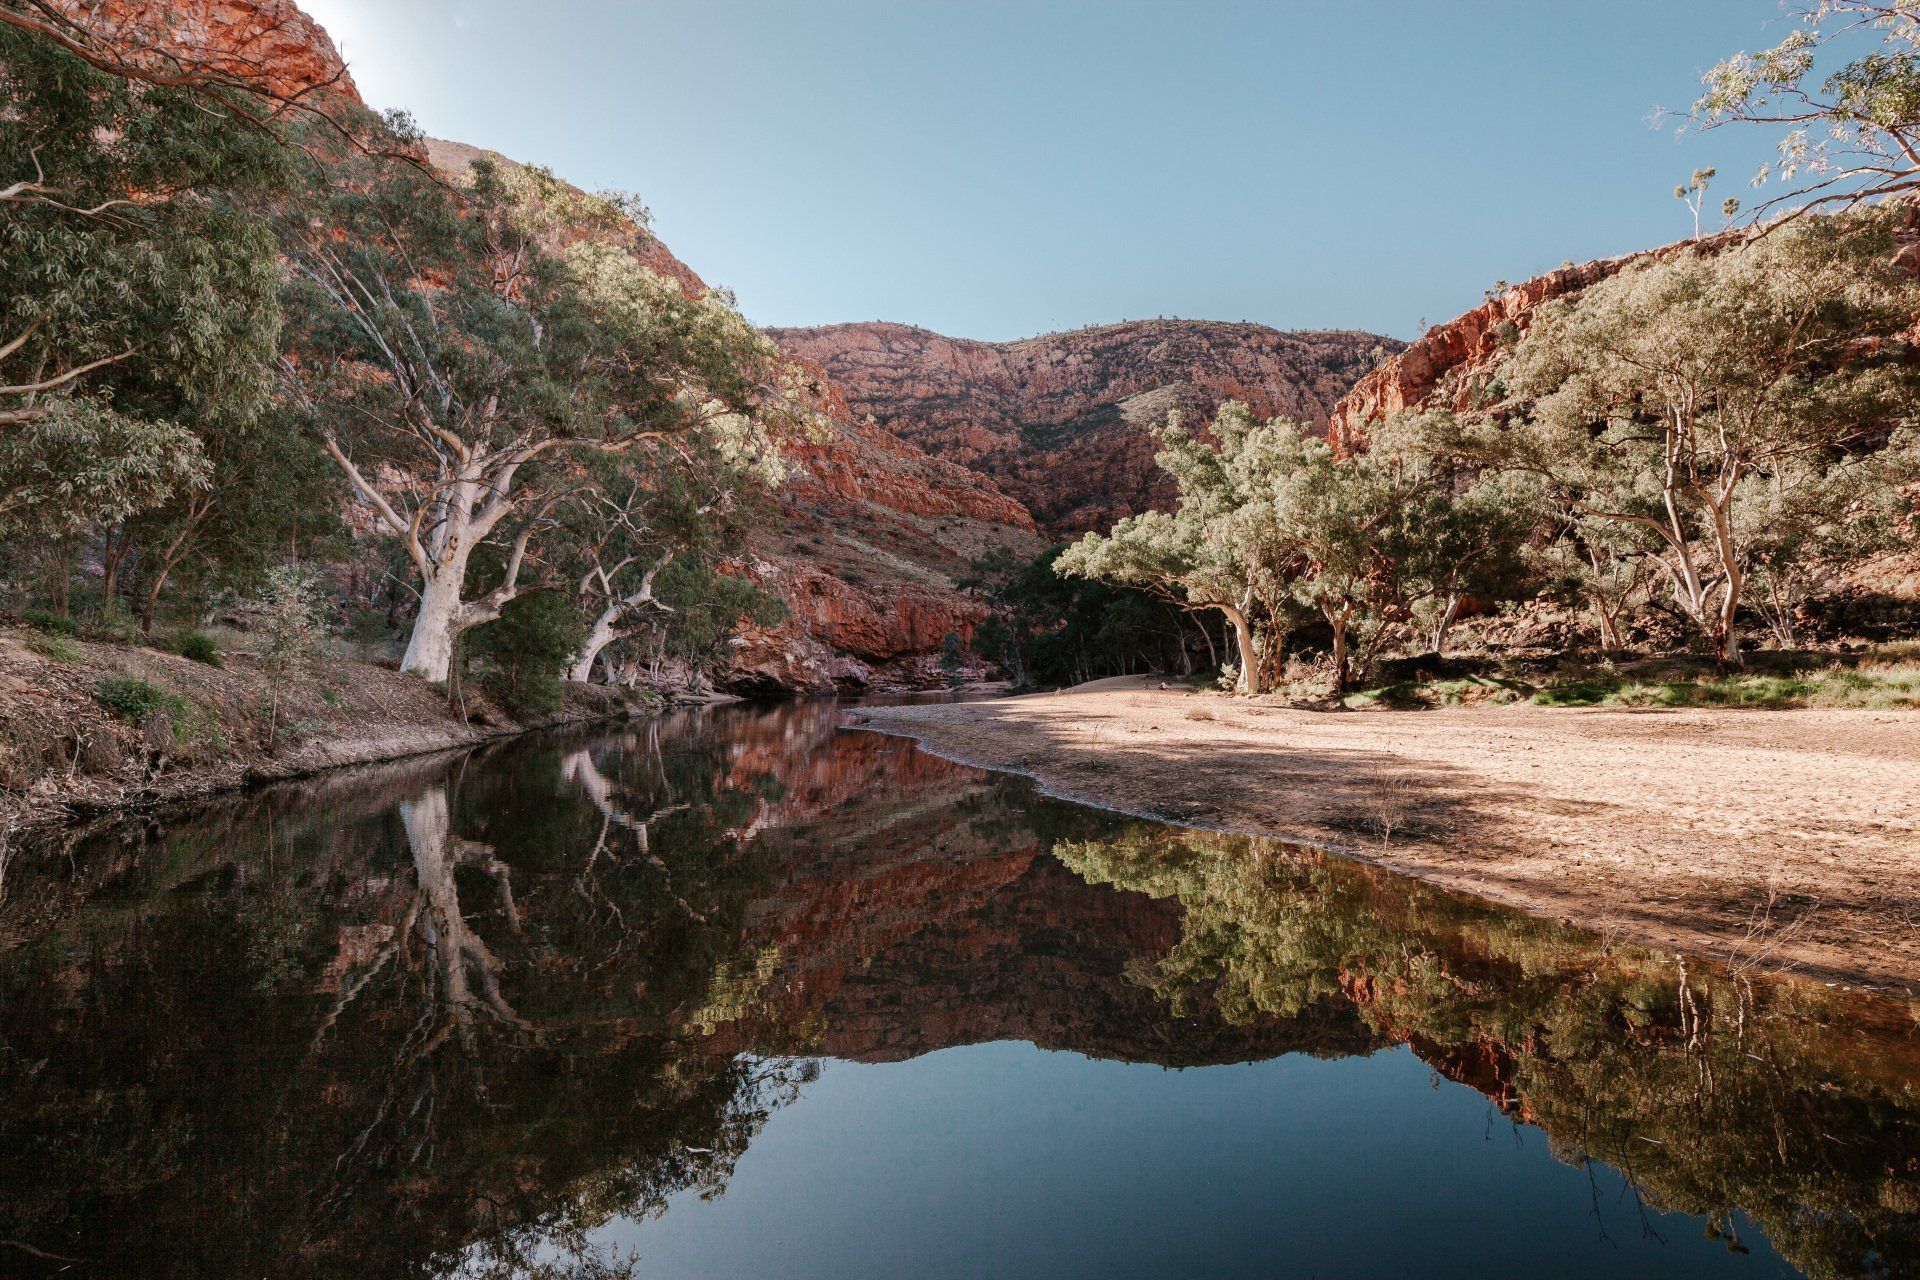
1790, 836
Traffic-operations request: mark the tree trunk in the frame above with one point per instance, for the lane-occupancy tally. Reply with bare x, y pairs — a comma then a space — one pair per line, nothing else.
1213, 654
152, 601
1249, 657
1441, 631
1338, 621
603, 634
63, 579
1609, 626
113, 555
1729, 637
430, 647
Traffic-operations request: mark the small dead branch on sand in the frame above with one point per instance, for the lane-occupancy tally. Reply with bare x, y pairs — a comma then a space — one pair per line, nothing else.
1765, 933
1388, 805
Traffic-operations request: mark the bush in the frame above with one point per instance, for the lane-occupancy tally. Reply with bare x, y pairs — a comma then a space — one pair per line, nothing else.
289, 619
367, 630
134, 699
56, 647
49, 622
199, 647
113, 625
529, 647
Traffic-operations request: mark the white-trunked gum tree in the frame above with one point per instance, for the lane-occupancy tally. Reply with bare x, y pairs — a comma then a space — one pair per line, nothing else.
462, 350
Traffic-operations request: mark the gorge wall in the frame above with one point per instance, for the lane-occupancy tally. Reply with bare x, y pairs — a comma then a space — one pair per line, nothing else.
1061, 422
1445, 363
934, 450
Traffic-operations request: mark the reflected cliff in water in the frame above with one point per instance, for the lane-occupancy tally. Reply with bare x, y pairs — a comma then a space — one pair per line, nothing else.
454, 1016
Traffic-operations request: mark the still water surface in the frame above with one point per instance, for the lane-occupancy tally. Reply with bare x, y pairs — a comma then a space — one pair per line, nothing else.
740, 993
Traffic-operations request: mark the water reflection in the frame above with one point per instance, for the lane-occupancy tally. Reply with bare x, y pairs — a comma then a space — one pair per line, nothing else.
454, 1016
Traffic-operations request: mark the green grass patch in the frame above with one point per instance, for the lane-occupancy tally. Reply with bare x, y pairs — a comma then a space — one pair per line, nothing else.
1582, 694
199, 647
55, 647
1879, 686
50, 623
1412, 695
135, 700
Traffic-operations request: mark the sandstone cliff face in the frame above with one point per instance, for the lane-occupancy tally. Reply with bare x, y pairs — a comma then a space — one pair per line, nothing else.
863, 543
1444, 364
269, 41
1061, 422
869, 535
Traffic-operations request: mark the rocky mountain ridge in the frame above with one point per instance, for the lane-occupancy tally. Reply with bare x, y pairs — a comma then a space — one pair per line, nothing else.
936, 450
1061, 421
1442, 366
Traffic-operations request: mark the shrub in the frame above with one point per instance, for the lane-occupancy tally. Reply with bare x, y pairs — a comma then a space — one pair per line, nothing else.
367, 631
199, 647
134, 699
529, 647
113, 624
291, 624
50, 622
56, 648
290, 620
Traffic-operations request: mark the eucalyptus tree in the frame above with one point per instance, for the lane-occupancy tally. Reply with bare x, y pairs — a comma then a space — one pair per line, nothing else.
1208, 553
1803, 533
1851, 132
1678, 397
637, 519
457, 354
137, 290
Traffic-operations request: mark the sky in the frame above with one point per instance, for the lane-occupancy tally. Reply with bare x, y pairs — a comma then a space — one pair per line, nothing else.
999, 168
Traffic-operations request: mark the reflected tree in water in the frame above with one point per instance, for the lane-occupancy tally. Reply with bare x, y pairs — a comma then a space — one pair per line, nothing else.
1712, 1091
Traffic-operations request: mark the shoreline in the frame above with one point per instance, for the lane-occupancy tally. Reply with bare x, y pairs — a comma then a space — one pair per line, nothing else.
1816, 887
66, 760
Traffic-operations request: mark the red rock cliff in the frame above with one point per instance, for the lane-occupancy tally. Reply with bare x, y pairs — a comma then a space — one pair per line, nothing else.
270, 41
1448, 358
1061, 422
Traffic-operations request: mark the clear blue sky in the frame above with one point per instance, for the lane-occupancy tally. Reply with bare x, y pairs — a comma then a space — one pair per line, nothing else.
999, 168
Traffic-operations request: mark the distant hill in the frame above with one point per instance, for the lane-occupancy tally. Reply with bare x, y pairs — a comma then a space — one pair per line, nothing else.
1060, 422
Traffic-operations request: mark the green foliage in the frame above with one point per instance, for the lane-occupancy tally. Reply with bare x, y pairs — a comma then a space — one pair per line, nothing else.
111, 624
81, 461
1848, 131
1273, 524
134, 699
135, 288
55, 646
1050, 629
1876, 687
48, 621
707, 607
1726, 413
529, 647
198, 646
289, 619
366, 630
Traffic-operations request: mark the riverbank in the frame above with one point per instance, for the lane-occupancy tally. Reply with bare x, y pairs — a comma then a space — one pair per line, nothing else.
1771, 839
88, 728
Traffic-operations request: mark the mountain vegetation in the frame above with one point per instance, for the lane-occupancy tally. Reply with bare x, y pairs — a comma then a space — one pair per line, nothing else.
1711, 436
247, 326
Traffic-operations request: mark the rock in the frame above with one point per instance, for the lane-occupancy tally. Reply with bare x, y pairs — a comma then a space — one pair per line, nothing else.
1061, 422
1448, 364
268, 41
